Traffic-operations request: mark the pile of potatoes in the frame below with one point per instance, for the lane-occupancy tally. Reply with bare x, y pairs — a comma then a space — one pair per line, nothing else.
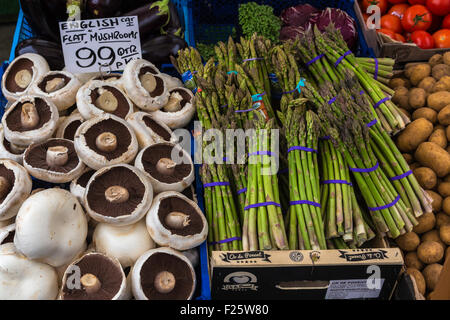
423, 93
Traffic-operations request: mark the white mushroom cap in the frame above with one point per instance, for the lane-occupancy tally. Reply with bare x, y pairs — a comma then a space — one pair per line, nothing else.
113, 78
171, 82
84, 77
134, 88
66, 123
24, 279
19, 192
193, 256
143, 123
159, 230
136, 272
38, 68
27, 137
125, 243
77, 189
64, 97
8, 154
180, 118
51, 227
117, 101
91, 157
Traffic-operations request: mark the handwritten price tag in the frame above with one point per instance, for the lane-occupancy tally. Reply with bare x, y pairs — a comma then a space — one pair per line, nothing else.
108, 43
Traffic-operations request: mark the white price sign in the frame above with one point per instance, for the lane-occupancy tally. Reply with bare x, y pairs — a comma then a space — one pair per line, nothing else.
91, 45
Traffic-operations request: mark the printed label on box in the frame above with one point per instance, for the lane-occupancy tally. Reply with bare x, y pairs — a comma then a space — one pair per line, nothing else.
353, 289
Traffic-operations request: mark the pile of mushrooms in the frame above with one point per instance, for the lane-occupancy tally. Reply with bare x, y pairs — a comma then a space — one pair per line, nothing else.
104, 146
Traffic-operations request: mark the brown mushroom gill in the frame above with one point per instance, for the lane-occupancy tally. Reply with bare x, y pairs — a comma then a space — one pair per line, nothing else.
159, 89
22, 66
108, 77
69, 131
104, 270
14, 119
120, 106
53, 82
83, 180
162, 262
36, 156
9, 238
7, 179
153, 155
11, 149
115, 177
158, 129
178, 216
116, 128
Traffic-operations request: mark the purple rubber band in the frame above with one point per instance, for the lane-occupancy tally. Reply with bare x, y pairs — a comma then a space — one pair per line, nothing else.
325, 138
342, 58
285, 170
401, 176
332, 100
247, 110
375, 76
315, 59
225, 241
337, 182
252, 59
375, 167
311, 203
262, 204
372, 123
376, 105
302, 149
261, 153
361, 92
224, 106
242, 191
386, 206
215, 184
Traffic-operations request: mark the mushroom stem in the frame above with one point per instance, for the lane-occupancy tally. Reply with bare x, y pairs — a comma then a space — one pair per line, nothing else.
54, 85
164, 282
166, 166
106, 142
177, 220
29, 116
57, 156
23, 78
90, 283
148, 81
16, 149
4, 187
117, 194
106, 101
174, 103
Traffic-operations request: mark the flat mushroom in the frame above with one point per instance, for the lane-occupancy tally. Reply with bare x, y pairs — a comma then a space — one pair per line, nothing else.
105, 140
112, 78
51, 227
21, 74
99, 97
9, 150
126, 243
149, 131
164, 173
144, 85
15, 188
29, 120
171, 82
78, 185
176, 221
163, 274
7, 234
193, 256
25, 279
68, 127
100, 278
54, 160
60, 87
119, 195
179, 110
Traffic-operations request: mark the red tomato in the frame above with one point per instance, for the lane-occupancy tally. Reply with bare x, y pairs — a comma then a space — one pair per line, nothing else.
399, 37
446, 22
442, 38
423, 39
436, 22
392, 23
439, 7
416, 17
397, 1
387, 32
413, 2
382, 4
398, 10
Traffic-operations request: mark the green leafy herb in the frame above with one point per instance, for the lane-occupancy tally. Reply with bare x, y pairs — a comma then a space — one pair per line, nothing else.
260, 19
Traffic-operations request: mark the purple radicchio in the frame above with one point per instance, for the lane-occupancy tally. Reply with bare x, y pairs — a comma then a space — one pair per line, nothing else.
299, 16
342, 21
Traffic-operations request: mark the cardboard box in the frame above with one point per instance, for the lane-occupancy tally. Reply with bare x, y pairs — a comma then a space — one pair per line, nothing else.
305, 274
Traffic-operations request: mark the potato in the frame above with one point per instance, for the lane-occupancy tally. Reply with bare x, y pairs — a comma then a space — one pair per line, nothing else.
439, 126
439, 137
399, 82
415, 133
431, 155
427, 83
446, 205
433, 235
444, 234
426, 177
448, 149
418, 278
408, 241
442, 85
426, 113
438, 71
437, 200
447, 252
414, 165
436, 59
420, 72
399, 92
437, 100
403, 102
447, 178
430, 252
444, 116
444, 189
426, 223
417, 98
442, 219
446, 58
431, 274
408, 158
447, 132
412, 261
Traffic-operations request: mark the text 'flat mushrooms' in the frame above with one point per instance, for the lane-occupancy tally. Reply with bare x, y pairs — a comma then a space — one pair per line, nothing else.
144, 85
178, 111
15, 188
163, 274
176, 221
149, 131
168, 166
51, 227
54, 160
126, 243
9, 150
97, 97
60, 87
68, 127
21, 74
94, 276
24, 279
119, 195
78, 185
